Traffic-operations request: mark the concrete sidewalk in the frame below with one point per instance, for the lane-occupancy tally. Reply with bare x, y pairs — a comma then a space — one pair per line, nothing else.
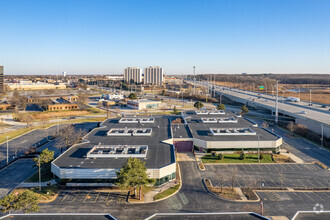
24, 184
149, 196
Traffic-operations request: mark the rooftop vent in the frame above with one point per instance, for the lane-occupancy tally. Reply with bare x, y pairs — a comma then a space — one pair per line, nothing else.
232, 131
130, 132
211, 112
219, 120
118, 151
137, 120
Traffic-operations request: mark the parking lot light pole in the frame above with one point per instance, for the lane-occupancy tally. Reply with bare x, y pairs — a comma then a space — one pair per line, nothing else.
220, 97
39, 174
7, 151
258, 149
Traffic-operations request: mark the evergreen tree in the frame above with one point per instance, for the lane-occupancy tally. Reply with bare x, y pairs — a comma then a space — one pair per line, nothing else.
133, 174
198, 105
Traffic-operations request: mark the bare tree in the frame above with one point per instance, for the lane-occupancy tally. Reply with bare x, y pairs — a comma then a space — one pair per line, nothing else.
233, 173
222, 178
19, 100
82, 99
69, 136
264, 124
291, 126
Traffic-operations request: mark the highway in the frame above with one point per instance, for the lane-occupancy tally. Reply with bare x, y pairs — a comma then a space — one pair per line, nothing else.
312, 116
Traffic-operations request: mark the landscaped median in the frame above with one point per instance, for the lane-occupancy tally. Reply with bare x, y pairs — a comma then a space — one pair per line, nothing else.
46, 195
248, 158
232, 193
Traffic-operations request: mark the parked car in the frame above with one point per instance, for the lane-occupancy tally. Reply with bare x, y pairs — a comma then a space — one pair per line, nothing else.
323, 106
303, 112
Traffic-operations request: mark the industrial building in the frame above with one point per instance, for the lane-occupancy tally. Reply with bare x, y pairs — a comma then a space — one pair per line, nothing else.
109, 146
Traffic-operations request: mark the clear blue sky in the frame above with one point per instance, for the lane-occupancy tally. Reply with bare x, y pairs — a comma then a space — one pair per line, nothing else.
221, 36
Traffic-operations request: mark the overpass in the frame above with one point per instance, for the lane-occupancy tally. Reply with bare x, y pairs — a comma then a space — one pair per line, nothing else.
314, 117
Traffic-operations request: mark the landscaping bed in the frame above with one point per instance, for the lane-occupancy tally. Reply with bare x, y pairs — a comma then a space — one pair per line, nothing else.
278, 158
135, 198
225, 192
249, 193
47, 194
167, 192
235, 158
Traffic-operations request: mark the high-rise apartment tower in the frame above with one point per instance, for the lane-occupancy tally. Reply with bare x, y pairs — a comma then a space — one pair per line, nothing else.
153, 75
133, 74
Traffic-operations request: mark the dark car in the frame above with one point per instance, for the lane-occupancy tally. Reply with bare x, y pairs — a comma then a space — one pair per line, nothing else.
323, 106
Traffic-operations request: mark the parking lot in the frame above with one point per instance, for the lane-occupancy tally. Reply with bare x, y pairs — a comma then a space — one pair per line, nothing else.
79, 197
268, 175
316, 196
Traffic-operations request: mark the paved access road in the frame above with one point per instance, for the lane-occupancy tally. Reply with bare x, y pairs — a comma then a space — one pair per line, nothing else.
18, 146
14, 174
11, 176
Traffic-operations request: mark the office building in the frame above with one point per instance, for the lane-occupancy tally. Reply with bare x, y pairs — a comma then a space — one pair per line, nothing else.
133, 74
153, 75
109, 146
1, 78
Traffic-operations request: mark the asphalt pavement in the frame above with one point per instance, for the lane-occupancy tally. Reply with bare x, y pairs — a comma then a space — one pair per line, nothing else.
192, 198
12, 175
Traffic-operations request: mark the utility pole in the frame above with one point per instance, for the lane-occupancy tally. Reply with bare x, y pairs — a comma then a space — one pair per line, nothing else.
194, 81
276, 105
7, 151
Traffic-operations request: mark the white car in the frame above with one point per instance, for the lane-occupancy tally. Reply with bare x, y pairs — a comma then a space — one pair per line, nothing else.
303, 112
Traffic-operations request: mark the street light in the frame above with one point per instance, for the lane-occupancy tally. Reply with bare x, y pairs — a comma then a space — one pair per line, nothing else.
220, 97
7, 151
258, 148
194, 81
310, 97
39, 173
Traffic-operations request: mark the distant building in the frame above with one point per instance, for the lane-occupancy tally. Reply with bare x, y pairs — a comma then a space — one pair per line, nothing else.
34, 86
55, 103
133, 74
153, 75
143, 104
115, 77
64, 74
1, 78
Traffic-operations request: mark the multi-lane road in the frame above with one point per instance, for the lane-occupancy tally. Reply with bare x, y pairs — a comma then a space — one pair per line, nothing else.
313, 116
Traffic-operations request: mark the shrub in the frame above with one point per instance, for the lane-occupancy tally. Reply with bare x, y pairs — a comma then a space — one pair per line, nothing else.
242, 156
261, 156
220, 156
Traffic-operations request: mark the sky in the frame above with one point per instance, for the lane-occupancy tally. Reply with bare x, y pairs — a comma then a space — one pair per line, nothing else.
221, 36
